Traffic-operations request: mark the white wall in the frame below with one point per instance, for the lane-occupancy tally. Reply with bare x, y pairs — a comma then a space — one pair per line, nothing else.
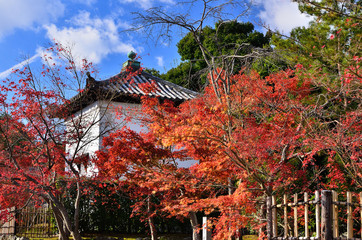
96, 121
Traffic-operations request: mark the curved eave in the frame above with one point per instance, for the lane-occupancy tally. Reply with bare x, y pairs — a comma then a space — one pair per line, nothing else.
120, 89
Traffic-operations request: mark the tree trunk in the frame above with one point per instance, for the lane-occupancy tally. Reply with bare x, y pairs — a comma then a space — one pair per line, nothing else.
269, 217
77, 212
195, 226
153, 230
67, 223
63, 231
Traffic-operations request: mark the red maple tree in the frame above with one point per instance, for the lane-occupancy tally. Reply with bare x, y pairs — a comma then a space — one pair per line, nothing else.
251, 138
34, 166
243, 143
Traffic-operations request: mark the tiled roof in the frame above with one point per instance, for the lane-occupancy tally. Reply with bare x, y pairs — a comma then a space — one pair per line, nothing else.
129, 87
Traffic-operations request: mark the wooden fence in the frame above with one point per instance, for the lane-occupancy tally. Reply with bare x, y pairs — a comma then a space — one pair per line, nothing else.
322, 215
8, 227
30, 222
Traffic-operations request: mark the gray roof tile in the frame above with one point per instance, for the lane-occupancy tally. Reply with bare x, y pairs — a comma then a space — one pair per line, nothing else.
127, 87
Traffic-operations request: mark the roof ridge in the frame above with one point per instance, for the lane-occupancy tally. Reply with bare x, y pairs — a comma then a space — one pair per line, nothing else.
129, 91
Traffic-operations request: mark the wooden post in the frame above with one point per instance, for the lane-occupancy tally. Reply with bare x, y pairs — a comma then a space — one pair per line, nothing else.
317, 215
327, 232
275, 219
205, 231
269, 217
27, 215
285, 216
306, 214
295, 215
48, 220
349, 216
335, 215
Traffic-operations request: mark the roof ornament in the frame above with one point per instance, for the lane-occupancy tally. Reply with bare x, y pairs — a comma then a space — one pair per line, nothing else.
132, 55
90, 80
131, 64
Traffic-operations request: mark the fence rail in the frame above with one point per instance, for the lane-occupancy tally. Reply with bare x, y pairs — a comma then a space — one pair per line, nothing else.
29, 222
329, 215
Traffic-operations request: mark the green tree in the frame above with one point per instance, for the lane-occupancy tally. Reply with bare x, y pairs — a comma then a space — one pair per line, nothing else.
226, 38
153, 71
331, 44
269, 64
329, 49
332, 39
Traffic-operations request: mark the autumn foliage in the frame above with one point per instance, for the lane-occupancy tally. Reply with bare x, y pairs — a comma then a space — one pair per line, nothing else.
261, 137
35, 169
244, 138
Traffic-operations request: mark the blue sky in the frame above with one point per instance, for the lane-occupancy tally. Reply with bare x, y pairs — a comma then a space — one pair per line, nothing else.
95, 30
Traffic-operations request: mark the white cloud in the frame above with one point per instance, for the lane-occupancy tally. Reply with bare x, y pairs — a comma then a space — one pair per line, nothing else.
25, 14
90, 38
6, 73
282, 15
146, 4
160, 61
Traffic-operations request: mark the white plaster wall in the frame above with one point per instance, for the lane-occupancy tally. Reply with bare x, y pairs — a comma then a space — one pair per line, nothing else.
86, 122
97, 121
101, 118
119, 114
